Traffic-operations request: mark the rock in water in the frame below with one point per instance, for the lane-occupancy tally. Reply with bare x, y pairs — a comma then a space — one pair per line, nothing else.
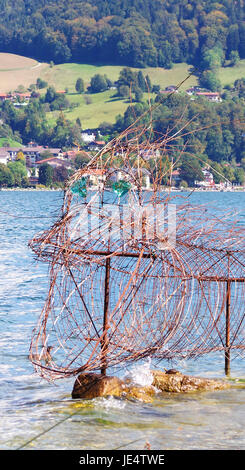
177, 382
97, 385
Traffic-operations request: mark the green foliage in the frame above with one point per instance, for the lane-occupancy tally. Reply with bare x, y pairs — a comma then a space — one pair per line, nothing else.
81, 160
98, 83
209, 80
149, 33
79, 85
190, 170
40, 83
6, 176
138, 95
124, 91
45, 174
18, 171
234, 58
218, 138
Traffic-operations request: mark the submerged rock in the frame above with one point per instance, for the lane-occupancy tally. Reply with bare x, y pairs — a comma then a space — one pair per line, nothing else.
96, 385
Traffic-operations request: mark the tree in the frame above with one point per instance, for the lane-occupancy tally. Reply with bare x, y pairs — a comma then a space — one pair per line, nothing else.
79, 85
18, 171
139, 95
209, 80
141, 81
51, 95
40, 83
78, 122
21, 157
6, 177
148, 83
60, 175
98, 83
234, 58
124, 91
81, 160
212, 59
129, 78
190, 170
45, 174
239, 174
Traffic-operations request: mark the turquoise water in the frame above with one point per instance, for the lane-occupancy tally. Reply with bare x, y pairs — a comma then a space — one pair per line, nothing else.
35, 414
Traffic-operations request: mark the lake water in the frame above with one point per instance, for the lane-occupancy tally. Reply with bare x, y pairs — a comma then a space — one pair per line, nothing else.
35, 414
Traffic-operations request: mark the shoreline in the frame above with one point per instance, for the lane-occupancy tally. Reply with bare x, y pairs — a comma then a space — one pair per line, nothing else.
186, 190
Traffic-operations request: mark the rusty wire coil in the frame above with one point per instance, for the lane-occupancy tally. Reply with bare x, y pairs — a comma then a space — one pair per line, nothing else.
116, 299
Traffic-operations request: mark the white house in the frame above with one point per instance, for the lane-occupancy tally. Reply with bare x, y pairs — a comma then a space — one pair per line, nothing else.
88, 137
4, 157
122, 175
95, 176
208, 181
211, 96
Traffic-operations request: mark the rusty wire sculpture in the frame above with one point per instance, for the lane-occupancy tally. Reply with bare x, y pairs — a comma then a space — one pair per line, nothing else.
133, 275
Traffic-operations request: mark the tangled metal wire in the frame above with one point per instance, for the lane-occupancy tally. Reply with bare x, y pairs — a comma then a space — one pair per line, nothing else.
132, 272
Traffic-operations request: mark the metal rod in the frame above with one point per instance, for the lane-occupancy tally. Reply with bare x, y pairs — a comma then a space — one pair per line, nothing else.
227, 332
104, 341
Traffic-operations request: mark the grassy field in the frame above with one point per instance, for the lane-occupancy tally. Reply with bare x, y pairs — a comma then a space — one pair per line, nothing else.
228, 75
104, 107
16, 70
65, 75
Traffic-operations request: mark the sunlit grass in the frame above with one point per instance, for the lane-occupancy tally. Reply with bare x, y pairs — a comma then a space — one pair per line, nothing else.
228, 75
104, 107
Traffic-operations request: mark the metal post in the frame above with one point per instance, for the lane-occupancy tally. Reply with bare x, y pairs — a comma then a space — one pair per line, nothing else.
227, 331
104, 341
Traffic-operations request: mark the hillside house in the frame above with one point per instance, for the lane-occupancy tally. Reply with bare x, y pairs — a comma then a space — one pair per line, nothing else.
210, 96
55, 162
96, 145
119, 175
5, 96
175, 177
12, 152
95, 176
88, 136
32, 154
172, 88
208, 182
193, 90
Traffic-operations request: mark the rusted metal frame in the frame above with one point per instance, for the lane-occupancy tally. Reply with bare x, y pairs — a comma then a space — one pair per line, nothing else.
227, 329
84, 303
136, 290
104, 340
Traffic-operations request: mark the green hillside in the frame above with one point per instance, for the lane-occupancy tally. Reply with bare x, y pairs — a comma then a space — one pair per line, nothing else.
130, 32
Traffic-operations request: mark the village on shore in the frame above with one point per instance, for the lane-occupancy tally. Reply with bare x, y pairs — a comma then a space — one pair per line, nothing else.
35, 156
64, 160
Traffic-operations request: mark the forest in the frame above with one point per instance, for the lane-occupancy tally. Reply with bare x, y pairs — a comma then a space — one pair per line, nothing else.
136, 33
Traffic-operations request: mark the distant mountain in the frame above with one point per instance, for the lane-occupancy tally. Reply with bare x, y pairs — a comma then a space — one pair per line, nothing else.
131, 32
